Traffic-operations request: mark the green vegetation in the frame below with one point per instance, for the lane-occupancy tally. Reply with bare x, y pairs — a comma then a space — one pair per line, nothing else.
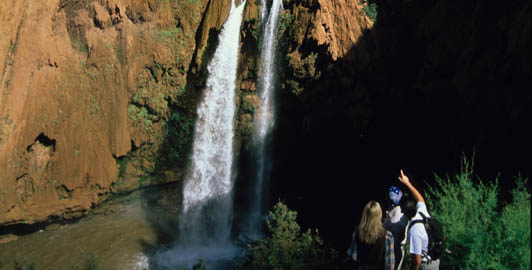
370, 10
141, 116
95, 105
481, 233
246, 106
143, 179
286, 20
172, 36
168, 34
287, 247
122, 164
179, 130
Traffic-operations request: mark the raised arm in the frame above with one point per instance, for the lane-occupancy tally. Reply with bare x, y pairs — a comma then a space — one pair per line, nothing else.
404, 179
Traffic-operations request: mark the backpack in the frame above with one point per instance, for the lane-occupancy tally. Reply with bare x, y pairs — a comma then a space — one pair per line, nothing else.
436, 236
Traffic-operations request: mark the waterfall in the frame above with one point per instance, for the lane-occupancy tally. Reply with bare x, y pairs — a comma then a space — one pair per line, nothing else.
266, 82
265, 119
207, 194
205, 224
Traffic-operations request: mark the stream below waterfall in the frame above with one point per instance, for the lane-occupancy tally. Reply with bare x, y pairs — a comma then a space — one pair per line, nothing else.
130, 232
122, 234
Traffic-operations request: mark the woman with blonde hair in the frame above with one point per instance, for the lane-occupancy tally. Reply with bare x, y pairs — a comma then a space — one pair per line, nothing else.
372, 245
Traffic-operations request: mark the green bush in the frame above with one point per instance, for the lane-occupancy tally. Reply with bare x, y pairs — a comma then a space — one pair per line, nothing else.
514, 231
287, 247
371, 11
179, 130
481, 234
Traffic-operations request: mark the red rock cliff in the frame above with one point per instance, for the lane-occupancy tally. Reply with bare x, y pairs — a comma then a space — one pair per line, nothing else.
87, 87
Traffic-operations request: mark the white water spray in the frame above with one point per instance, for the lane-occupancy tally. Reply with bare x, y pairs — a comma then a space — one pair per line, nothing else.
266, 111
207, 192
265, 119
205, 224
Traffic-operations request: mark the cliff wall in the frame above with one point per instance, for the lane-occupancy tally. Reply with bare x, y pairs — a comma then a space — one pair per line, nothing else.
92, 92
424, 83
98, 97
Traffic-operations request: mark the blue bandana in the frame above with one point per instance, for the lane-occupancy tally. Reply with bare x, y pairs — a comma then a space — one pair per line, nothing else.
395, 195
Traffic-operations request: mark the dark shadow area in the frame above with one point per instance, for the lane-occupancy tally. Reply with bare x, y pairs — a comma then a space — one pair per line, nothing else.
25, 229
432, 80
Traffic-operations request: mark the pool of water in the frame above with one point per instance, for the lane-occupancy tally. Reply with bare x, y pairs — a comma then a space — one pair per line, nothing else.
121, 234
134, 232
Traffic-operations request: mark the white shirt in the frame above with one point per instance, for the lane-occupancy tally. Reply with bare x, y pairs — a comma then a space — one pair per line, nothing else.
417, 235
394, 215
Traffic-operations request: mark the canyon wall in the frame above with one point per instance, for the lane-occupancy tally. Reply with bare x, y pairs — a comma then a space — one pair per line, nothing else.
97, 97
422, 84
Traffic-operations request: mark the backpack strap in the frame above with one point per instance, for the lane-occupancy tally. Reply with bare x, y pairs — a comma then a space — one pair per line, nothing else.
418, 221
423, 221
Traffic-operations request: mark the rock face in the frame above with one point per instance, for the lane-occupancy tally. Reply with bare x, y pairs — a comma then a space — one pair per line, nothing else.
98, 97
347, 72
92, 93
424, 83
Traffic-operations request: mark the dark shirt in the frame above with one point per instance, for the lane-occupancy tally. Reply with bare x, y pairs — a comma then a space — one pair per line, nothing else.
371, 256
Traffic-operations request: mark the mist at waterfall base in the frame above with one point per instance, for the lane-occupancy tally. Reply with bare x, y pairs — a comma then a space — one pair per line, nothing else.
328, 172
206, 220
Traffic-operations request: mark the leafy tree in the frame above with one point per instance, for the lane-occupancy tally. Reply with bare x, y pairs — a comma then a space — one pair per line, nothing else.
480, 234
287, 247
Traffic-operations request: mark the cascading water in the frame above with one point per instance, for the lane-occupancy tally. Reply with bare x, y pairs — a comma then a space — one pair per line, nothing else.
205, 224
264, 121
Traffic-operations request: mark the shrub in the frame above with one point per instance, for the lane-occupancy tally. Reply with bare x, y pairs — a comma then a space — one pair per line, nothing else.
514, 245
480, 234
287, 247
179, 130
371, 11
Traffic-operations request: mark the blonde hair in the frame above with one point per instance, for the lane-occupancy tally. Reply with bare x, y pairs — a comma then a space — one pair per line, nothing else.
370, 227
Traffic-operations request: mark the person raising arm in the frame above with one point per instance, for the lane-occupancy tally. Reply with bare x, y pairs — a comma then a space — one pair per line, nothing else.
406, 181
418, 236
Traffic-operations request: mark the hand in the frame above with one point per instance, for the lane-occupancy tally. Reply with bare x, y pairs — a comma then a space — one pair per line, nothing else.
403, 178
